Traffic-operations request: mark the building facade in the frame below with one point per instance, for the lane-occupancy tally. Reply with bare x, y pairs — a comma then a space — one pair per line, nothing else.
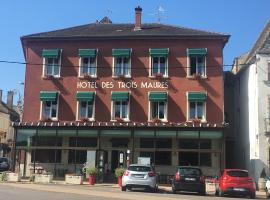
108, 94
251, 94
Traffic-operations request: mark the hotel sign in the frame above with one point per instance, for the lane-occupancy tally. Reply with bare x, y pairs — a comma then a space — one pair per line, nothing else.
122, 85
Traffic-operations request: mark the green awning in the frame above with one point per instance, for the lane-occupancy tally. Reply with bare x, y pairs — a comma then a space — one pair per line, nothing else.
197, 52
87, 52
157, 96
85, 96
120, 96
50, 53
121, 52
48, 96
197, 96
159, 52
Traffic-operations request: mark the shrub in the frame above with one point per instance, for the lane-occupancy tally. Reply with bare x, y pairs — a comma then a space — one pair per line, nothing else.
119, 171
91, 170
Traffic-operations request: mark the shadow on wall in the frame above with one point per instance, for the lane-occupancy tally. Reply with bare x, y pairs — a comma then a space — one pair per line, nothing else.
256, 168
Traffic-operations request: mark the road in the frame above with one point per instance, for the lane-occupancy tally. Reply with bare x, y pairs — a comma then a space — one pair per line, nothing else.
64, 192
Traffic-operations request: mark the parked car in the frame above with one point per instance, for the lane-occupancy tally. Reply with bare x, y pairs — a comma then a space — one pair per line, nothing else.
189, 179
4, 164
140, 176
235, 182
267, 188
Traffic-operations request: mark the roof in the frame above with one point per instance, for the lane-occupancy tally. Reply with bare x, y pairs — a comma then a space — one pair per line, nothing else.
5, 109
262, 45
111, 30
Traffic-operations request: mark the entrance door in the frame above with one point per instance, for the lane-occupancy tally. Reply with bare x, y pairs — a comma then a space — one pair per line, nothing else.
115, 160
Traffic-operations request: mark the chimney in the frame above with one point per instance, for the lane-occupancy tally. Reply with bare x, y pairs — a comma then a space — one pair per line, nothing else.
1, 94
10, 99
138, 19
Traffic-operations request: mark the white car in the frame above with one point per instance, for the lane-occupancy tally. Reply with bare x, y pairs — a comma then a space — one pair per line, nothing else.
140, 176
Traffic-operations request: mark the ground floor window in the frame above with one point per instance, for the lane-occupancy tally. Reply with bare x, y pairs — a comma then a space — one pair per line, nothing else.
80, 156
82, 142
148, 155
160, 143
195, 159
158, 157
194, 144
46, 156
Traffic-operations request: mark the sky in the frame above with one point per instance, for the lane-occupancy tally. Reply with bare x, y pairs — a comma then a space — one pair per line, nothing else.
242, 19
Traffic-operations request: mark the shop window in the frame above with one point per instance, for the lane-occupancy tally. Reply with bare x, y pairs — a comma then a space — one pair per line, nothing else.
147, 154
189, 159
88, 66
47, 141
120, 110
163, 158
163, 143
120, 142
194, 143
80, 156
146, 143
205, 159
82, 142
86, 109
46, 156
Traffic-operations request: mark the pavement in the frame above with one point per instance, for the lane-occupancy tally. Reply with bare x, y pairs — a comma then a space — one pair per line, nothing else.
110, 191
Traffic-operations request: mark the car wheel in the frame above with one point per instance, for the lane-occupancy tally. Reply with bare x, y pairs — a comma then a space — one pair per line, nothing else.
123, 188
220, 193
267, 194
252, 195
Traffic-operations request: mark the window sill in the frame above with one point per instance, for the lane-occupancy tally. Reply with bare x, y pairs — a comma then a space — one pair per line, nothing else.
86, 120
194, 78
158, 121
161, 77
51, 77
120, 121
202, 121
87, 77
121, 77
48, 120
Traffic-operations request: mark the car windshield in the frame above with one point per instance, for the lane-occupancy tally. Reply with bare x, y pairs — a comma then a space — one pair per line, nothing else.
190, 171
139, 168
237, 173
3, 160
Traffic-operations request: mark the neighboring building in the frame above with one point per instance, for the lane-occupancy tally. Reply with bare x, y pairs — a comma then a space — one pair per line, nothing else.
7, 115
252, 106
110, 93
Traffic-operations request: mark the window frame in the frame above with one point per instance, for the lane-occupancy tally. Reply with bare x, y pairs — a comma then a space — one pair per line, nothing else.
93, 110
151, 74
189, 75
81, 75
150, 119
204, 111
42, 109
114, 75
45, 59
113, 118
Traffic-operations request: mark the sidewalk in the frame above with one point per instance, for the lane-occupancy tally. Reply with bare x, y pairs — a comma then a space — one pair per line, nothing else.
106, 190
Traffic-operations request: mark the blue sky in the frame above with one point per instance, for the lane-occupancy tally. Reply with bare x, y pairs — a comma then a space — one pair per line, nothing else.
242, 19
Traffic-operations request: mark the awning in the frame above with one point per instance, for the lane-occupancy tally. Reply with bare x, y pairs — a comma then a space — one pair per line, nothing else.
85, 96
157, 96
159, 52
121, 52
197, 52
87, 52
120, 96
197, 96
48, 96
50, 53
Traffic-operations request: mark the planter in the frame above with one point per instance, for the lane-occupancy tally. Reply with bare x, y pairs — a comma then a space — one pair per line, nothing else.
43, 178
261, 184
119, 181
92, 180
73, 179
13, 177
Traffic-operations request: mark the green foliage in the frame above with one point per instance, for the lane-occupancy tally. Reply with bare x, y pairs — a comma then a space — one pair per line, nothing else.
119, 171
91, 170
32, 178
3, 176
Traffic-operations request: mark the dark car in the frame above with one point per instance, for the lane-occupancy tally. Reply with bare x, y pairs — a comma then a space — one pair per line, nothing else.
4, 164
235, 182
189, 179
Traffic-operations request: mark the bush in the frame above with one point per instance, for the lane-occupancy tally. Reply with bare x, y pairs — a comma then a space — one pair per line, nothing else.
32, 178
91, 170
119, 171
3, 176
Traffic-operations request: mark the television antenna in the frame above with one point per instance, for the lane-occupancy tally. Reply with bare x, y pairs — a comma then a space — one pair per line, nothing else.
159, 14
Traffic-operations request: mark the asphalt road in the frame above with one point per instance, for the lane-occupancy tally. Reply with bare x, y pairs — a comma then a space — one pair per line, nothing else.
56, 192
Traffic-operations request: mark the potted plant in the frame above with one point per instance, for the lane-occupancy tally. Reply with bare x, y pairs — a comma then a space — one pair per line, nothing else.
121, 76
48, 77
46, 119
91, 171
84, 119
156, 120
196, 120
3, 176
86, 75
262, 181
118, 174
118, 119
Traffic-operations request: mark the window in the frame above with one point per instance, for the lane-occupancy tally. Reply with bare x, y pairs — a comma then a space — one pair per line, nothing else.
268, 71
121, 66
195, 159
146, 143
163, 143
86, 109
163, 158
49, 109
82, 142
197, 59
120, 142
159, 62
46, 156
51, 60
88, 66
47, 141
80, 156
158, 110
197, 110
159, 66
120, 110
194, 144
